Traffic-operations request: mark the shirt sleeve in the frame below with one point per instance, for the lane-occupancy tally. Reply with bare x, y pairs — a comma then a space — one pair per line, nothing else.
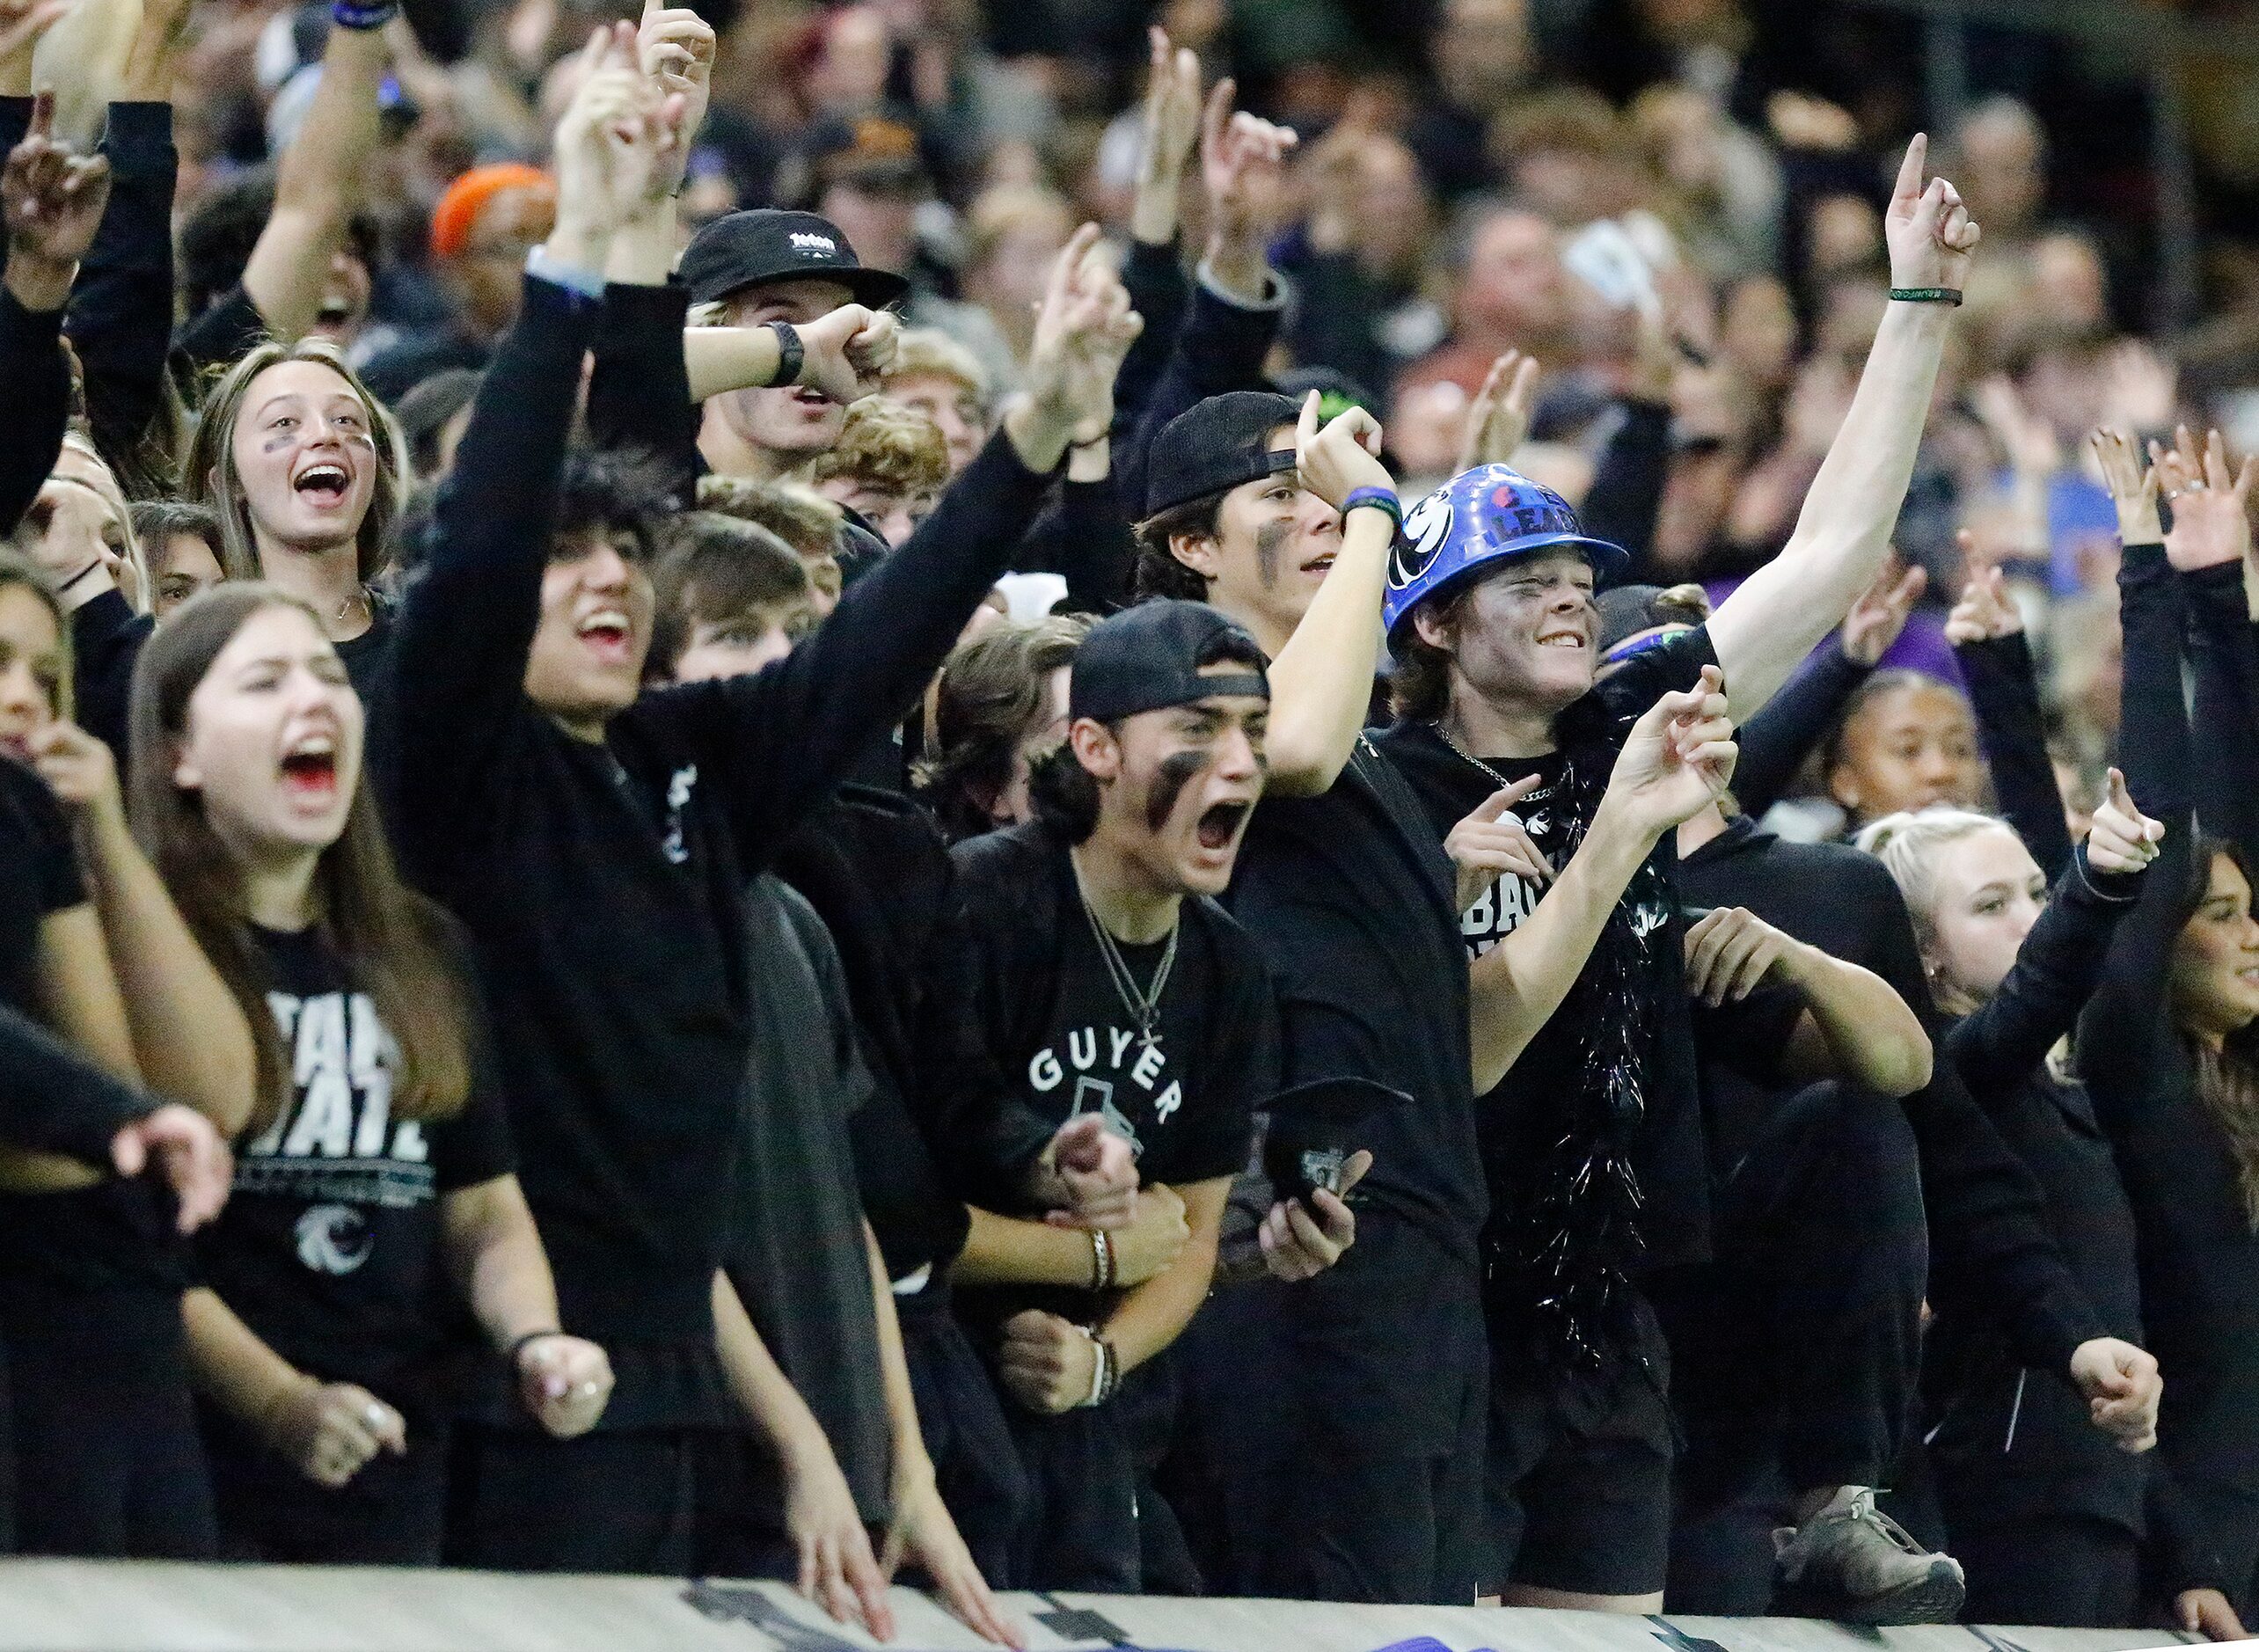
35, 838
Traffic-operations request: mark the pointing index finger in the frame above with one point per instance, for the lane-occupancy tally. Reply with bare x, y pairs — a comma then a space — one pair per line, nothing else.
1908, 189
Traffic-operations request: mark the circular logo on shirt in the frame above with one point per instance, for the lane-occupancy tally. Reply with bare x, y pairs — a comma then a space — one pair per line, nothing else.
334, 1239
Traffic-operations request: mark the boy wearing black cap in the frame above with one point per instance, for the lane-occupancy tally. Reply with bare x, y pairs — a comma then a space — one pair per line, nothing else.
1102, 980
1594, 1142
779, 270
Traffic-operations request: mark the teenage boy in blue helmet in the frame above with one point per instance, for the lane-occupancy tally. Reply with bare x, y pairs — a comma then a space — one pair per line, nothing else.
1593, 1142
1376, 1368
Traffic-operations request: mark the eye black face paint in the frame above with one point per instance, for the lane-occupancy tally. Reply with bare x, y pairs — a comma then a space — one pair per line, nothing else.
1268, 539
1177, 772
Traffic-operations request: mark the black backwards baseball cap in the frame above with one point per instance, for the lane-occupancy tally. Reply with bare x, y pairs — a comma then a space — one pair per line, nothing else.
1633, 611
1147, 659
1215, 445
746, 249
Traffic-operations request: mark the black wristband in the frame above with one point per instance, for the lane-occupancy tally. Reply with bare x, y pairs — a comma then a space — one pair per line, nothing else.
792, 354
519, 1347
1926, 295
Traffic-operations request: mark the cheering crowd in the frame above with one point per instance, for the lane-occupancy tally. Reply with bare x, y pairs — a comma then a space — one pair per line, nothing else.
753, 825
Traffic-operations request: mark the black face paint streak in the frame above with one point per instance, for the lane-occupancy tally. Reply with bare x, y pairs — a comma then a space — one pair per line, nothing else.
1268, 539
1177, 772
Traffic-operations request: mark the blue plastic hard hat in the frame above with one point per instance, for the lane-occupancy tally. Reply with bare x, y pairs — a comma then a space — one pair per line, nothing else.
1478, 517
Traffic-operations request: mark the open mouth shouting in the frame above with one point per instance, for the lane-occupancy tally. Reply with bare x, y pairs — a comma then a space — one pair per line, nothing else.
1218, 827
310, 768
324, 484
607, 634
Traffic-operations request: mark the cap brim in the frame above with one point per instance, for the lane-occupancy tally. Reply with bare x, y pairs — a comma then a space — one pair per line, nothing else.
874, 288
1608, 562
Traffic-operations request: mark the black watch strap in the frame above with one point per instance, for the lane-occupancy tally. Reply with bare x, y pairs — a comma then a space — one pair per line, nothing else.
791, 355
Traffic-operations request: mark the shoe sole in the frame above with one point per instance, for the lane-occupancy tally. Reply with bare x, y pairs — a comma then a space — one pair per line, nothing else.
1935, 1599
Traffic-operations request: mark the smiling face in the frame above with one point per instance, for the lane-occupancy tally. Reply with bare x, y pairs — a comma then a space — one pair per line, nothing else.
587, 661
304, 453
272, 740
1989, 894
31, 667
1908, 747
1176, 786
1527, 637
790, 425
2215, 972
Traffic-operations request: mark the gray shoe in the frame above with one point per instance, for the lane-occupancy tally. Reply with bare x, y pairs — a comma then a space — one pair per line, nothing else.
1854, 1564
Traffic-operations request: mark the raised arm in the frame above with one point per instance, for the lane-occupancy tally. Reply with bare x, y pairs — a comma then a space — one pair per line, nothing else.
320, 177
2209, 546
1843, 533
464, 633
1987, 633
866, 664
1676, 763
1321, 683
52, 200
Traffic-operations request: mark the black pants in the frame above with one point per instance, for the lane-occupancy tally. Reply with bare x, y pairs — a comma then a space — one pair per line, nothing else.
2067, 1571
1794, 1353
393, 1513
1369, 1485
1084, 1535
975, 1462
108, 1465
522, 1501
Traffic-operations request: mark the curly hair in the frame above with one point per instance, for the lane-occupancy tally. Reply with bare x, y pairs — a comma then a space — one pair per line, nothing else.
888, 445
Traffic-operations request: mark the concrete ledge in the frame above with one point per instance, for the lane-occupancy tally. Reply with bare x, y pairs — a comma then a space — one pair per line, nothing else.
94, 1607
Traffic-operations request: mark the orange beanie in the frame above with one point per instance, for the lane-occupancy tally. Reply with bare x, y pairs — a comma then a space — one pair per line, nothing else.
458, 209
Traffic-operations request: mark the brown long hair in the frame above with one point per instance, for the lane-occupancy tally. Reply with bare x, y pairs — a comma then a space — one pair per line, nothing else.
2227, 1079
396, 944
212, 480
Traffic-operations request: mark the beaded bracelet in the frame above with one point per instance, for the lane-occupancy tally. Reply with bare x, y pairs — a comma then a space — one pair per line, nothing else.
1101, 1260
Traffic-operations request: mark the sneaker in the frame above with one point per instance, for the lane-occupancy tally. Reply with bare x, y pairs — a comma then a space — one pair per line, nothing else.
1853, 1563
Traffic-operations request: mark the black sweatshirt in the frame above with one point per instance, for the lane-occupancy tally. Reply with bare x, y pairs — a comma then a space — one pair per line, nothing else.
2004, 694
32, 366
1990, 1253
120, 320
603, 883
1787, 729
53, 1100
2199, 1257
1997, 1417
1627, 492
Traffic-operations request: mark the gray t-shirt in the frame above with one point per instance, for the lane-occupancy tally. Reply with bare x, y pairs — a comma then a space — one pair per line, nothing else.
798, 1257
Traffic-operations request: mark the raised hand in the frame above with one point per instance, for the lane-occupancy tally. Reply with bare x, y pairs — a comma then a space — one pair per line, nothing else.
674, 47
1879, 615
1930, 233
22, 25
2122, 838
848, 351
1301, 1244
1086, 1176
2132, 486
2142, 386
191, 1156
1083, 329
2026, 442
2211, 504
1172, 127
1345, 456
1986, 612
564, 1382
1679, 759
614, 148
2123, 1388
1492, 841
53, 199
1499, 421
1243, 168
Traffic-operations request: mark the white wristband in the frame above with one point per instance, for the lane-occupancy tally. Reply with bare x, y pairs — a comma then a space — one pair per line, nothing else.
1097, 1368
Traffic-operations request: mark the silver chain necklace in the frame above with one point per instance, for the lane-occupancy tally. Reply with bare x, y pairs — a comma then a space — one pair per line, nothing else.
1144, 1007
1444, 735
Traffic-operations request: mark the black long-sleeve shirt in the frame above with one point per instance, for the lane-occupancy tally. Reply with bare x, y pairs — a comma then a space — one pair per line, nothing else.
2199, 1257
1991, 1254
1219, 347
1787, 728
1996, 1417
602, 882
37, 379
53, 1101
120, 320
1627, 492
2004, 694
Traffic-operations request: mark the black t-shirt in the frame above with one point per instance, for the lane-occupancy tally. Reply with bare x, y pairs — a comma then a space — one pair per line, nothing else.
1556, 1128
329, 1247
42, 878
1061, 1041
